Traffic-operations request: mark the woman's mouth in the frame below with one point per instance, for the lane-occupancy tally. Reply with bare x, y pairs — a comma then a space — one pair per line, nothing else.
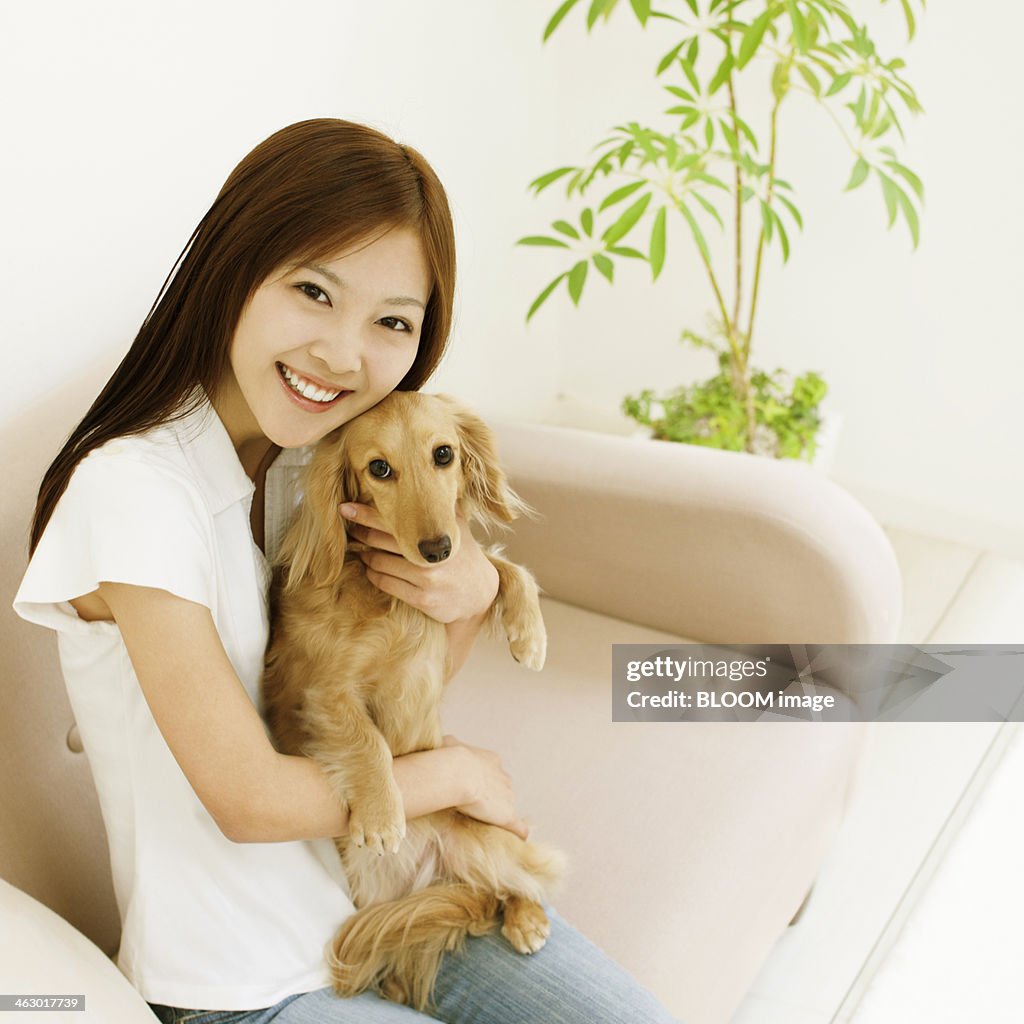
307, 394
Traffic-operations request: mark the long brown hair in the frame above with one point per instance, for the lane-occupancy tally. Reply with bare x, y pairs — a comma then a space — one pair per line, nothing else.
309, 191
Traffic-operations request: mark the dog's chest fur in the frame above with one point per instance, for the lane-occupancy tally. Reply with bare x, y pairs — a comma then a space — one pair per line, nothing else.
362, 644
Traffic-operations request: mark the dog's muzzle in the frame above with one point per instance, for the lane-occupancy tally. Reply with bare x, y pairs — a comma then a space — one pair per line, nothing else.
436, 550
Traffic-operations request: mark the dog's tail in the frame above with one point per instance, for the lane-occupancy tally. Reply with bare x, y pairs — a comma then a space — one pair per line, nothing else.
396, 946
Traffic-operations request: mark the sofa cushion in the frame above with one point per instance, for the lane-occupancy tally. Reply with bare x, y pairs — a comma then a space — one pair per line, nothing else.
691, 844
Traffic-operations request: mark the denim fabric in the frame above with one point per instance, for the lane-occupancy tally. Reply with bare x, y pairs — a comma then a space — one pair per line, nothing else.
569, 981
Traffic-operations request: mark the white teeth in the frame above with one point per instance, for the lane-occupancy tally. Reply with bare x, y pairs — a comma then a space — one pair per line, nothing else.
308, 389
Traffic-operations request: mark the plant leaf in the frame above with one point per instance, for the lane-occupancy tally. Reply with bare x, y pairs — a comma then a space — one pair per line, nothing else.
889, 191
695, 228
619, 194
722, 74
783, 237
690, 74
792, 209
799, 26
780, 80
539, 301
860, 172
745, 128
577, 276
707, 206
810, 78
543, 240
566, 228
587, 221
752, 38
642, 9
915, 181
604, 265
910, 213
909, 14
623, 250
839, 83
625, 223
544, 180
657, 248
556, 20
669, 57
597, 8
766, 219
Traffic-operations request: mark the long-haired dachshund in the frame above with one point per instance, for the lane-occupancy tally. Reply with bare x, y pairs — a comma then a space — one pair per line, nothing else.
354, 677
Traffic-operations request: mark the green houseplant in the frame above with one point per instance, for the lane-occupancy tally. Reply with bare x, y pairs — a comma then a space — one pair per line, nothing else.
813, 48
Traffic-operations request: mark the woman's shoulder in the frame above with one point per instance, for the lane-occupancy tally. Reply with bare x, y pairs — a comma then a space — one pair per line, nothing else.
150, 461
179, 456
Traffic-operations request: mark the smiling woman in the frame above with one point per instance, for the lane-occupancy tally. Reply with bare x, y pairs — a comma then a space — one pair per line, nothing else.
320, 281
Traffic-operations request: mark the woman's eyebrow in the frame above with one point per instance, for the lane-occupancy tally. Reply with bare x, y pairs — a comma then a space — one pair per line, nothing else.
398, 300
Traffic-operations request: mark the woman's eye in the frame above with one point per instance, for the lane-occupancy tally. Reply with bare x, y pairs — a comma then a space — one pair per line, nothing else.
443, 455
395, 323
380, 469
313, 288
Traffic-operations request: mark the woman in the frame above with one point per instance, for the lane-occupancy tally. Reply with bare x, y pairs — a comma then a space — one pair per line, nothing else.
321, 279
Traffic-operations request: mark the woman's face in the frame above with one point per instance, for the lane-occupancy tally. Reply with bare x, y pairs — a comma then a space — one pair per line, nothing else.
320, 343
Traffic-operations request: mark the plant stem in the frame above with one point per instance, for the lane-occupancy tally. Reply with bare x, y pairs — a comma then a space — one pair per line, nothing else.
741, 375
729, 327
760, 243
739, 178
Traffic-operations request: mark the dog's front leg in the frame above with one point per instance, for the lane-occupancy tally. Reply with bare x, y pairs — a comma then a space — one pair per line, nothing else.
517, 607
349, 747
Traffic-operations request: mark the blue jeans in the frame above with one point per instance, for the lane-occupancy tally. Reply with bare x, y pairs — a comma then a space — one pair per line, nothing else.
569, 981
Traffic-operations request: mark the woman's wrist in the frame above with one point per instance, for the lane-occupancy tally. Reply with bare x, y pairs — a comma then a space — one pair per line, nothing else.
434, 780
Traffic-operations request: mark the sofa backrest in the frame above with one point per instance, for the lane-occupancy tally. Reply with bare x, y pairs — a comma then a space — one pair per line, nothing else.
52, 841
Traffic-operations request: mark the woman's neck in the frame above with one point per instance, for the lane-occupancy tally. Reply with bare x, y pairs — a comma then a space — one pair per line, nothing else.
254, 449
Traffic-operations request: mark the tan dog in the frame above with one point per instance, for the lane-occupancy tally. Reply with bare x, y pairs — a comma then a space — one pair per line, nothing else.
354, 677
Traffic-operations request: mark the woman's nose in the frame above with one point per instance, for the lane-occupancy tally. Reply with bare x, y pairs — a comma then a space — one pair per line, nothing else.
340, 353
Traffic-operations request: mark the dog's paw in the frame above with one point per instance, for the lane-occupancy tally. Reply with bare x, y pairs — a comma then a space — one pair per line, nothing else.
529, 645
377, 824
526, 925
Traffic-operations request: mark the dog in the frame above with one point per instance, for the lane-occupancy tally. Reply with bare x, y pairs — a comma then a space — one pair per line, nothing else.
355, 677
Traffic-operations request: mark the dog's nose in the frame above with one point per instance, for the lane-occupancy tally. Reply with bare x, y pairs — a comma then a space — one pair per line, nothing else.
436, 550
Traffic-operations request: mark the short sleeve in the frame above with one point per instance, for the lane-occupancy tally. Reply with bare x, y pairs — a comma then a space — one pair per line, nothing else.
122, 519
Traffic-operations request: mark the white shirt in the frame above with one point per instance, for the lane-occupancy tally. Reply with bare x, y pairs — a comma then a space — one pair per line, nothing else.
206, 922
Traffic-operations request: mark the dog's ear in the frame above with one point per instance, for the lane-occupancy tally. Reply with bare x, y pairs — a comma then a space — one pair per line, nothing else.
485, 488
314, 546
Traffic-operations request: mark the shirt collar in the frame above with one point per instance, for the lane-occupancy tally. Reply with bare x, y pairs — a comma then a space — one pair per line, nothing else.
207, 446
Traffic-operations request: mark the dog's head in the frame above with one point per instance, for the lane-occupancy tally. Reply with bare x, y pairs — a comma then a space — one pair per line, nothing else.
418, 460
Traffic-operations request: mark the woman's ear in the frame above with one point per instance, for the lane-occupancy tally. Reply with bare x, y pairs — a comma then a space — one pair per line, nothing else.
485, 488
314, 546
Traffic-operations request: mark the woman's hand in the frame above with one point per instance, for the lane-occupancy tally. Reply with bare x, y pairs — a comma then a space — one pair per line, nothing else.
492, 798
461, 587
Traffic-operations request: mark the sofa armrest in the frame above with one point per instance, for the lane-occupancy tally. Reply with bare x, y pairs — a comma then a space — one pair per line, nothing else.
720, 547
41, 954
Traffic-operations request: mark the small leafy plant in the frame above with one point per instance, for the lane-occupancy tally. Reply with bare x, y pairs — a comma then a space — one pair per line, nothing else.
810, 47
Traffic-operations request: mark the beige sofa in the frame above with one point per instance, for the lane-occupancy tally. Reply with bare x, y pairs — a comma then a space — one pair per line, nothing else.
692, 845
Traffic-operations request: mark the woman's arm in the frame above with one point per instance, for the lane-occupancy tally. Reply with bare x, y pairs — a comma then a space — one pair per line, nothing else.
461, 635
216, 735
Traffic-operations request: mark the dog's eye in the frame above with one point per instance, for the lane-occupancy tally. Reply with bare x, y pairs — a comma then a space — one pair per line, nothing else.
443, 455
380, 469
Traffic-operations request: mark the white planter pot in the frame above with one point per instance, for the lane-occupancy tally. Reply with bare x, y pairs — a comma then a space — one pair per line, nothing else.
571, 411
824, 454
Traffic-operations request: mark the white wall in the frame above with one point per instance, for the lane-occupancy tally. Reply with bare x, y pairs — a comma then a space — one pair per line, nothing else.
126, 117
921, 349
123, 120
